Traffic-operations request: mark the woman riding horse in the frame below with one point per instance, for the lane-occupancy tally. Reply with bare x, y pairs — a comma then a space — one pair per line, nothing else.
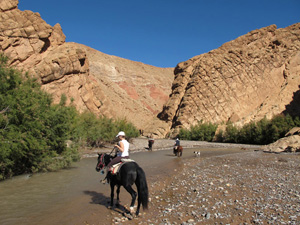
129, 173
122, 153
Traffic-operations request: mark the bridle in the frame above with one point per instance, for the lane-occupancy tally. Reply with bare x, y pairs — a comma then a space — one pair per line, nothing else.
101, 163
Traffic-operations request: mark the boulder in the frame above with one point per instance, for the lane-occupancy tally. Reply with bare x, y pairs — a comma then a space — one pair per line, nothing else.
293, 131
290, 143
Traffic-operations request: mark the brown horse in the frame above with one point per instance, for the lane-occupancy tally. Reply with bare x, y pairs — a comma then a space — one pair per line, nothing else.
178, 151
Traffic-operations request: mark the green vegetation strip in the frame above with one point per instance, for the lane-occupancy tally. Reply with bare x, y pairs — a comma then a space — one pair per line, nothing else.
37, 135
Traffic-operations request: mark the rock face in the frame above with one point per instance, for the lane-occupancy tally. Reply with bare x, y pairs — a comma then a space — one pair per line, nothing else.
256, 75
128, 89
103, 84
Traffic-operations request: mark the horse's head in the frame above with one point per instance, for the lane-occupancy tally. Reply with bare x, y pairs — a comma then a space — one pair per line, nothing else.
103, 160
100, 163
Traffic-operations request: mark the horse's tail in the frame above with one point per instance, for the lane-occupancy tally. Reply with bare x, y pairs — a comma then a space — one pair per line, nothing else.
142, 187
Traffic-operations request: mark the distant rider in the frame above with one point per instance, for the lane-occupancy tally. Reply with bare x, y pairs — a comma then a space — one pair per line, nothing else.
150, 143
177, 143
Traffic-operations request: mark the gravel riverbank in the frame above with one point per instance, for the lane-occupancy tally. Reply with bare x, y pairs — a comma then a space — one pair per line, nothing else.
244, 188
251, 187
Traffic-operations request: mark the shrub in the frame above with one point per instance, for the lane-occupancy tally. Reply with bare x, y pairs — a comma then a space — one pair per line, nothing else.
34, 132
231, 134
262, 132
94, 131
200, 132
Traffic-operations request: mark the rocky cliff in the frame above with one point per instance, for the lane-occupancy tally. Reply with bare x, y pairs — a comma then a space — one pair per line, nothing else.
256, 75
103, 84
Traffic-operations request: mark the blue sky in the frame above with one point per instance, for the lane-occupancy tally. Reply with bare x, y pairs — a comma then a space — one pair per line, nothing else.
161, 32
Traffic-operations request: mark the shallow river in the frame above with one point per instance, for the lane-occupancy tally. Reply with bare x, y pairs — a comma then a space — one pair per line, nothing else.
75, 196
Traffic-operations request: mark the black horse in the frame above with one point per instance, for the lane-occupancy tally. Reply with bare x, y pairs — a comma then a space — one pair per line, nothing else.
129, 174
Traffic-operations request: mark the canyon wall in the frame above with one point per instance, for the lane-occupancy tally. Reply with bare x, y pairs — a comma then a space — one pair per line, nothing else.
97, 82
246, 79
253, 76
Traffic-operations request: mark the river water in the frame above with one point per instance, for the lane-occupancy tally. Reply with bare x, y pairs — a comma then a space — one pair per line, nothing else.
75, 195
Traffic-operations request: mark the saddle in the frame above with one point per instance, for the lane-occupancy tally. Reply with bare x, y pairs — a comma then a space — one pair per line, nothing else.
114, 170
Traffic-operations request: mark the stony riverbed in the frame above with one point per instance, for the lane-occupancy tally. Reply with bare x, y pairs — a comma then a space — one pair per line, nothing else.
250, 187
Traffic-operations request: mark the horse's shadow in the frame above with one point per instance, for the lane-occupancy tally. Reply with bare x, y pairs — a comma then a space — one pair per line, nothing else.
99, 198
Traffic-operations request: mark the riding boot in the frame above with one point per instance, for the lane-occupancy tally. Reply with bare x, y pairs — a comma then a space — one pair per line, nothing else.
105, 180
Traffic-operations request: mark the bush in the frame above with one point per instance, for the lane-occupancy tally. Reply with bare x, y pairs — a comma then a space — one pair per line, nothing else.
200, 132
95, 131
34, 132
231, 134
262, 132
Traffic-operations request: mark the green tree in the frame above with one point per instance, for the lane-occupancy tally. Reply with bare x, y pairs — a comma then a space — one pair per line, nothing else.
33, 130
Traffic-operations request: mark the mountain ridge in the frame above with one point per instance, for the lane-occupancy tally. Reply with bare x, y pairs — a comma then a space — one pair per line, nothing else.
254, 76
105, 85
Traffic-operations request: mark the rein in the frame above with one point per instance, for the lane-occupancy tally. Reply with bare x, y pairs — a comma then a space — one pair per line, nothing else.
101, 161
112, 150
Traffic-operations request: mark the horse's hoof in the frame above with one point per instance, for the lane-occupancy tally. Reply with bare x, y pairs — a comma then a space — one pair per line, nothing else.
131, 210
109, 207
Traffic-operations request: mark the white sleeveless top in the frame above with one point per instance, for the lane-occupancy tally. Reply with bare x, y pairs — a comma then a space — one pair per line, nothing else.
126, 149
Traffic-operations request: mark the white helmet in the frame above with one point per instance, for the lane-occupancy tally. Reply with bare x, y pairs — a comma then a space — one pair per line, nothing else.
121, 133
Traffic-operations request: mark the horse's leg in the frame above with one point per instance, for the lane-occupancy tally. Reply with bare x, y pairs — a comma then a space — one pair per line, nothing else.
118, 193
133, 197
138, 206
112, 190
